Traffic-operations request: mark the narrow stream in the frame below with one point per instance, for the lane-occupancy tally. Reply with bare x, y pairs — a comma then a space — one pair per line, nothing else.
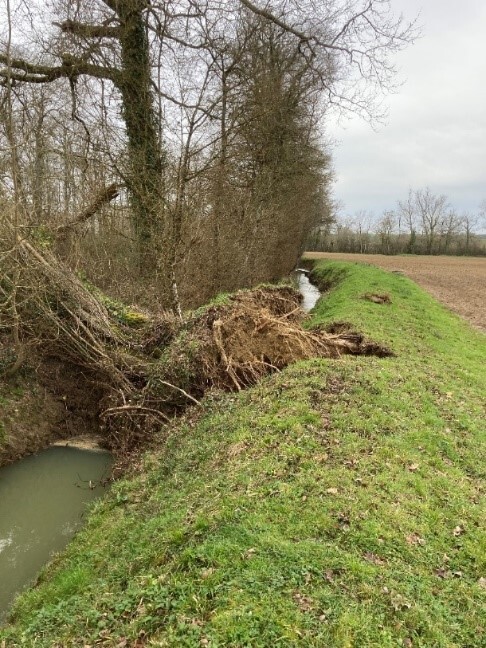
42, 504
309, 292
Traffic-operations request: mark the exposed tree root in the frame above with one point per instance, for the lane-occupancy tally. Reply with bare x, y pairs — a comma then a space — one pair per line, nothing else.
259, 332
139, 379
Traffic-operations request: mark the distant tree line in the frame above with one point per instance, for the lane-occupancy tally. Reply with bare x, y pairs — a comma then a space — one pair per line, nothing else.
423, 223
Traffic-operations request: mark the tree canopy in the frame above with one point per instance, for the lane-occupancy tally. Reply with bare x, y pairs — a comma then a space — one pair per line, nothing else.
217, 97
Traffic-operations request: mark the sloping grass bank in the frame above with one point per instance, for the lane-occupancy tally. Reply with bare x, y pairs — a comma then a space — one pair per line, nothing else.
336, 504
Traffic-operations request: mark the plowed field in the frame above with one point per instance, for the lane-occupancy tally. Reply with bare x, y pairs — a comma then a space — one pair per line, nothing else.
457, 282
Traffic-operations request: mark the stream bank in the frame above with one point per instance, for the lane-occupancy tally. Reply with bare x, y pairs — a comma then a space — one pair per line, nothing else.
315, 509
228, 345
42, 496
104, 369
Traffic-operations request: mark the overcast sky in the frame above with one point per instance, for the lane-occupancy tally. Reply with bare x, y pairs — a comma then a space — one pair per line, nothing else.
435, 134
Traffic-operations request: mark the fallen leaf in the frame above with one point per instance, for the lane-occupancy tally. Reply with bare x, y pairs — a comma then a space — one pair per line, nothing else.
415, 539
376, 560
248, 554
305, 603
329, 575
400, 603
413, 467
344, 521
332, 491
442, 572
459, 530
482, 582
407, 643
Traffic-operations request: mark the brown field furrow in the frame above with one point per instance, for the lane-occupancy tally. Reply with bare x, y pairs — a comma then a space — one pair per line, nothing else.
457, 282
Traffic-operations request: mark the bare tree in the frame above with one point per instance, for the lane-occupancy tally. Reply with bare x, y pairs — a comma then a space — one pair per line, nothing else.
408, 214
89, 52
449, 227
470, 223
385, 229
433, 228
432, 211
362, 222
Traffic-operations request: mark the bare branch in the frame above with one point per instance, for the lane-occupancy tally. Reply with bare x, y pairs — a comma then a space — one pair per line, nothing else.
106, 195
88, 31
264, 13
23, 71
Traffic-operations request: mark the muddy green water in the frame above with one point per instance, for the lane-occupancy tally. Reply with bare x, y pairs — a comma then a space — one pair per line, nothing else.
42, 504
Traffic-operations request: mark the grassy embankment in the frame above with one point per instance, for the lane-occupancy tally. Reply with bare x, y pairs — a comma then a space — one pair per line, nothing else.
336, 504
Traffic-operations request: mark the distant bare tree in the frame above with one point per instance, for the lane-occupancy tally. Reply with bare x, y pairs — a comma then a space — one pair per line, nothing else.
470, 224
449, 227
432, 211
385, 229
408, 214
433, 228
363, 222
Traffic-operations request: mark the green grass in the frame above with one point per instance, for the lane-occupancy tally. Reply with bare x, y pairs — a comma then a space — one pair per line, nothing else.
336, 504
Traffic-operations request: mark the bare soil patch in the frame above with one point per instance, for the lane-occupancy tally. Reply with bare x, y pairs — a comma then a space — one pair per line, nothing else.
29, 418
457, 282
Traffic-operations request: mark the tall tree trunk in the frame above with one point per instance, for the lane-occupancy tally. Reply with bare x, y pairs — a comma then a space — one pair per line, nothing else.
146, 162
39, 171
220, 185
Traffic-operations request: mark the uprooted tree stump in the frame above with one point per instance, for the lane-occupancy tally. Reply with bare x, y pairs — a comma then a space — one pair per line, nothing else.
139, 378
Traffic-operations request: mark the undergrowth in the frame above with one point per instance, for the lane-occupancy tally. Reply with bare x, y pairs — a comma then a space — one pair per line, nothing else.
335, 504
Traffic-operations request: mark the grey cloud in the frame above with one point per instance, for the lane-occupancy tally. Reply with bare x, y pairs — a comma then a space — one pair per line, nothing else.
436, 131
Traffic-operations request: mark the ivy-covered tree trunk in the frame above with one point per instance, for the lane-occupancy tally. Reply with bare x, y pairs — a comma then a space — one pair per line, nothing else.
145, 158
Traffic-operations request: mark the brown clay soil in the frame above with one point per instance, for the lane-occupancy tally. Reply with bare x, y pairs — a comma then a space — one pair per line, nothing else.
457, 282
